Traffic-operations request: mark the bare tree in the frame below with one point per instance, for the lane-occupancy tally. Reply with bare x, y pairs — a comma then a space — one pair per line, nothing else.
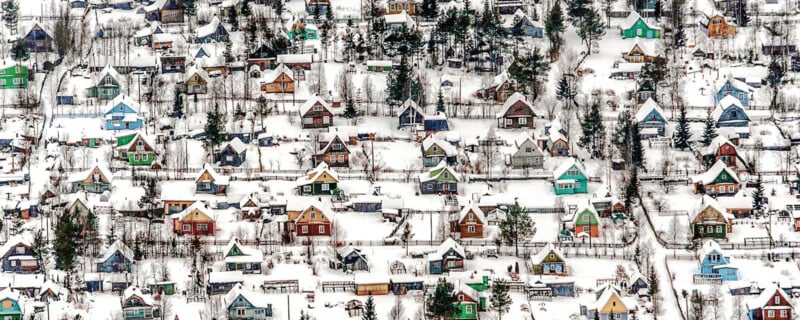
675, 232
398, 309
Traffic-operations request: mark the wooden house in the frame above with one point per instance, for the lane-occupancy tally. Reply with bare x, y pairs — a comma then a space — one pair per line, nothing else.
354, 308
280, 80
651, 119
135, 149
586, 222
303, 31
402, 284
370, 284
722, 149
470, 222
467, 302
116, 258
410, 114
221, 282
241, 258
38, 38
320, 7
196, 81
106, 85
162, 287
316, 113
379, 65
13, 76
635, 27
250, 208
165, 11
233, 153
607, 205
298, 63
516, 113
311, 221
351, 259
714, 262
196, 220
640, 52
172, 63
137, 305
242, 304
501, 88
123, 113
730, 112
436, 122
771, 304
397, 6
524, 24
11, 307
527, 153
50, 292
333, 152
719, 180
320, 180
711, 220
209, 181
549, 261
609, 305
19, 256
399, 20
95, 180
570, 178
505, 7
739, 205
441, 179
730, 86
435, 150
448, 257
213, 31
717, 26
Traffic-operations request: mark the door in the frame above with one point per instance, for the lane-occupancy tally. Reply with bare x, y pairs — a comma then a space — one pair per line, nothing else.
649, 34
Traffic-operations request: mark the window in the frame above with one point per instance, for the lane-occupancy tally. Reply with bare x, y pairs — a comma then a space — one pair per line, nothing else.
341, 158
322, 229
710, 229
471, 229
317, 108
313, 214
771, 313
523, 120
17, 81
572, 172
306, 188
460, 297
741, 96
325, 187
784, 313
638, 32
730, 188
777, 300
20, 250
304, 230
187, 227
337, 146
203, 227
391, 6
509, 122
528, 149
136, 157
719, 229
468, 309
240, 312
587, 229
7, 304
585, 218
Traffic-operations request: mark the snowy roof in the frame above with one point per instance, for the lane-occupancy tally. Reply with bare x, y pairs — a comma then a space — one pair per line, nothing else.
448, 148
247, 254
370, 278
739, 85
124, 99
727, 101
585, 207
708, 247
566, 165
107, 70
647, 107
295, 58
708, 201
147, 140
514, 98
477, 211
648, 47
312, 175
196, 70
311, 102
80, 176
248, 295
437, 171
447, 245
631, 20
281, 69
218, 179
9, 293
237, 145
225, 277
209, 28
539, 257
197, 205
741, 200
607, 295
766, 295
134, 291
13, 242
36, 23
717, 142
400, 18
117, 246
409, 104
713, 172
382, 63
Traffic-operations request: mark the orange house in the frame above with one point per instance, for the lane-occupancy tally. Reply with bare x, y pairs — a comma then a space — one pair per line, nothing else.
717, 27
398, 6
470, 222
281, 80
311, 221
195, 220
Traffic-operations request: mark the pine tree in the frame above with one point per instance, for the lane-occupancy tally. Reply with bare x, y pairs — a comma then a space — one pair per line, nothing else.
66, 245
215, 127
399, 83
682, 135
234, 20
698, 306
190, 7
177, 105
631, 189
593, 131
590, 28
278, 5
516, 227
228, 51
744, 18
11, 15
637, 151
19, 52
564, 90
577, 9
709, 131
350, 109
369, 310
440, 102
500, 300
658, 10
246, 11
430, 9
758, 194
620, 138
440, 304
554, 27
303, 314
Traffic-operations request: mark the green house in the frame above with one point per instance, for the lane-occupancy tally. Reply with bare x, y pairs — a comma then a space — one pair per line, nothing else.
379, 65
441, 179
635, 27
164, 287
246, 305
135, 149
13, 77
569, 178
307, 31
321, 180
106, 86
10, 308
586, 222
468, 302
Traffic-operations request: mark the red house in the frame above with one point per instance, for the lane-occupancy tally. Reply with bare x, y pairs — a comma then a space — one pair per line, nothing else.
316, 113
771, 304
470, 222
722, 149
195, 220
311, 221
516, 113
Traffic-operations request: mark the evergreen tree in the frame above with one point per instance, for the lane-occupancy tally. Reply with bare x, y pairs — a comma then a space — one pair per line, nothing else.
516, 227
228, 51
369, 310
682, 135
637, 151
278, 6
653, 289
19, 51
744, 18
698, 306
177, 105
631, 189
246, 11
658, 9
430, 9
440, 102
215, 127
758, 194
234, 20
776, 73
564, 90
440, 304
11, 15
303, 314
709, 131
528, 72
66, 243
500, 300
655, 71
590, 28
620, 138
190, 7
577, 9
554, 26
399, 83
679, 38
593, 131
350, 109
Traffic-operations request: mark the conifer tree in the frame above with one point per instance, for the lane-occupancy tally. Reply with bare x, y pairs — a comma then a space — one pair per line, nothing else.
631, 189
369, 310
709, 131
554, 27
19, 51
620, 138
593, 131
637, 151
66, 241
440, 303
350, 109
440, 102
516, 227
11, 15
399, 83
430, 9
758, 194
215, 128
177, 105
500, 300
653, 289
190, 7
577, 9
682, 135
744, 17
590, 28
564, 90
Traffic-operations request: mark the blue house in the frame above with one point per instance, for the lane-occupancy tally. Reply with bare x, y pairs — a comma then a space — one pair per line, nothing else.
441, 179
730, 112
351, 259
245, 305
123, 113
213, 31
209, 181
551, 287
448, 257
715, 264
117, 258
733, 87
410, 114
529, 28
637, 283
435, 123
19, 257
233, 153
651, 119
367, 203
137, 305
220, 282
38, 39
549, 261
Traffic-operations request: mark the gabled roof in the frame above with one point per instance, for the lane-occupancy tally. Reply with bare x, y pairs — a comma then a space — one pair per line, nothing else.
248, 254
437, 171
566, 165
728, 101
313, 100
134, 291
239, 290
124, 99
583, 208
708, 201
648, 47
13, 242
79, 197
766, 295
107, 70
312, 175
514, 98
80, 176
477, 211
117, 246
607, 295
209, 28
399, 18
322, 210
332, 137
712, 173
716, 143
411, 104
144, 138
197, 205
9, 293
34, 24
281, 69
631, 20
447, 245
218, 179
709, 247
247, 198
236, 145
539, 257
737, 84
448, 148
196, 70
646, 108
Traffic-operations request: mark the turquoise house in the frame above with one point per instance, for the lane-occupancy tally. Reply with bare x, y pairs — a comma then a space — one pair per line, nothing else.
716, 264
137, 305
307, 31
729, 86
570, 178
10, 308
635, 27
107, 85
122, 113
244, 305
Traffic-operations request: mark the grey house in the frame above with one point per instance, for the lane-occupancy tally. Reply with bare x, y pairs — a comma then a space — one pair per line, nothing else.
527, 155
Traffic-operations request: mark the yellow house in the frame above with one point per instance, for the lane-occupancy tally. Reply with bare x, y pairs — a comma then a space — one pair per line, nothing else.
609, 305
